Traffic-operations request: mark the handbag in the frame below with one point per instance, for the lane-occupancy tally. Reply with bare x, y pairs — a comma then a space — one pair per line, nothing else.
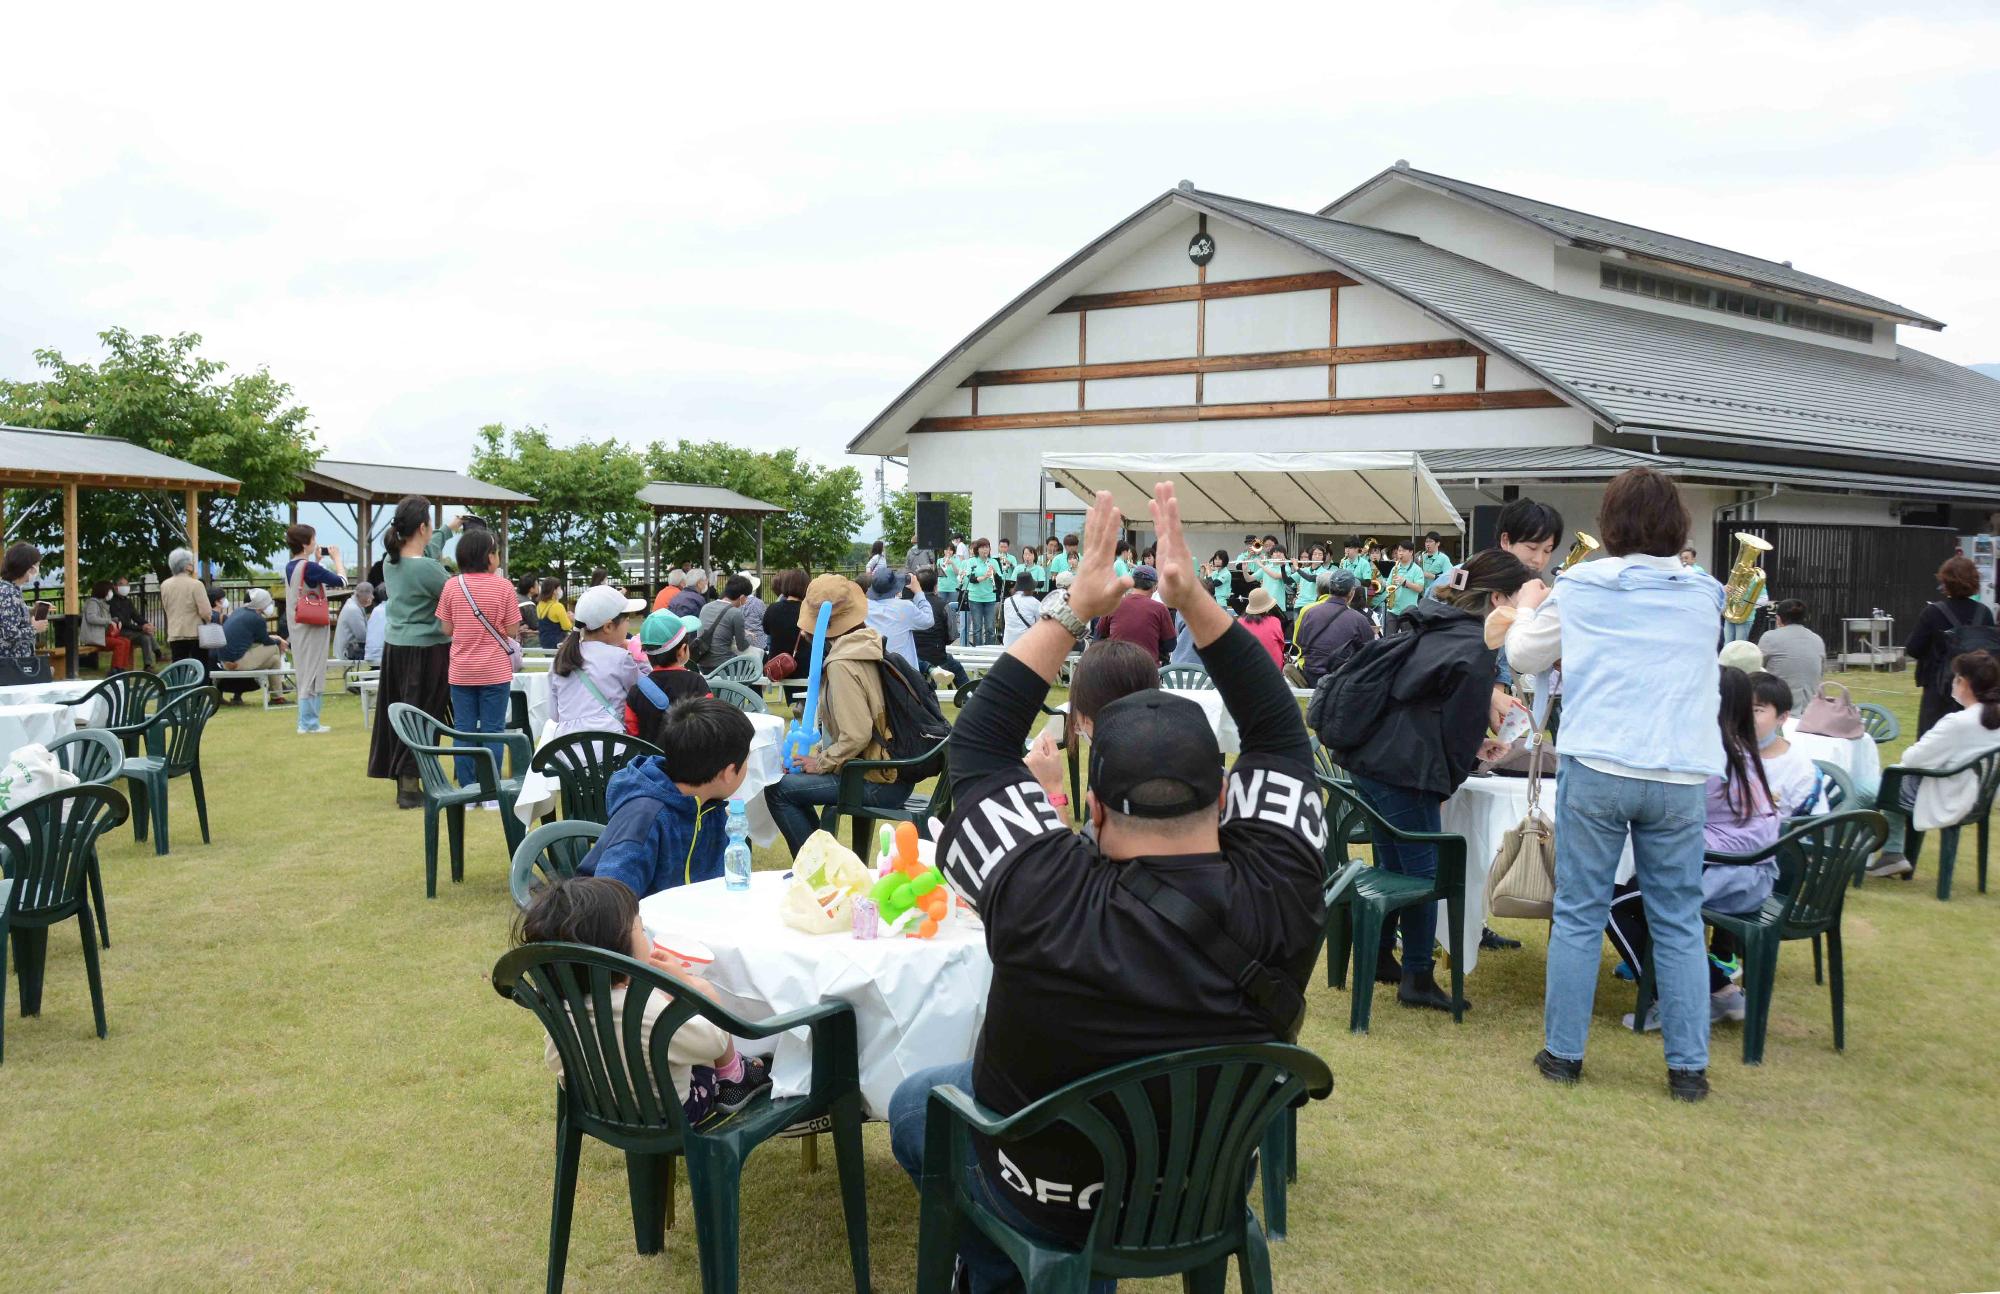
1522, 880
507, 645
780, 667
1827, 715
309, 606
210, 637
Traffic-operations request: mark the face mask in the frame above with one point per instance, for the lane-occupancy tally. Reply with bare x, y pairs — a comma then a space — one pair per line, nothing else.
1764, 742
123, 589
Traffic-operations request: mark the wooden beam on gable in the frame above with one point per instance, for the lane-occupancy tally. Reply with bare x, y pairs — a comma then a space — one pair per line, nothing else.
1228, 363
1206, 291
1449, 402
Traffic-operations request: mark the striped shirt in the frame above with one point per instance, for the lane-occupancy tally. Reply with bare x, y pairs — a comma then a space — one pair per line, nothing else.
477, 658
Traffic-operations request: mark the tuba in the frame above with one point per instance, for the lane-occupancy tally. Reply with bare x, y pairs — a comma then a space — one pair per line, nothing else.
1584, 546
1746, 580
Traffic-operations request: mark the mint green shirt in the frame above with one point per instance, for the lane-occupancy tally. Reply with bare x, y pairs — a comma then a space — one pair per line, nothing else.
981, 577
414, 584
1222, 581
1401, 596
947, 573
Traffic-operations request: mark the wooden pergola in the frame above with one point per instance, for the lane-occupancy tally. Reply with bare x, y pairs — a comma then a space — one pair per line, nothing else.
74, 461
361, 486
711, 501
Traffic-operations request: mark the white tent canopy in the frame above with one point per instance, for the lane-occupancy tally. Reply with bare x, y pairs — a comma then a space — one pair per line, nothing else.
1353, 490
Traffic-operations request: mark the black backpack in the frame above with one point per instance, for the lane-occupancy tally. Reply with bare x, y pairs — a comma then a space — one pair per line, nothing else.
1347, 705
916, 720
1980, 635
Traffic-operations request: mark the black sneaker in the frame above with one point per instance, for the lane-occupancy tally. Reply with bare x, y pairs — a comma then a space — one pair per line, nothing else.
733, 1096
1492, 940
1420, 989
1556, 1069
1687, 1084
1387, 969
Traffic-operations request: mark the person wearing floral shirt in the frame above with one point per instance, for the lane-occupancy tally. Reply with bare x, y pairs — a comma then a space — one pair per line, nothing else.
17, 625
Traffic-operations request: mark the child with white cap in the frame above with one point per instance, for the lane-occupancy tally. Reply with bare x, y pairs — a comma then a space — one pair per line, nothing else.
592, 669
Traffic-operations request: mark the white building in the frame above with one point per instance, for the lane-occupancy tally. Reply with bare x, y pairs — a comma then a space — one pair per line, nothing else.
1519, 346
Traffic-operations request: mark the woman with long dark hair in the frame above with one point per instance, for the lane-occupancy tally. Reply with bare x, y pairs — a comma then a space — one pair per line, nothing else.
416, 651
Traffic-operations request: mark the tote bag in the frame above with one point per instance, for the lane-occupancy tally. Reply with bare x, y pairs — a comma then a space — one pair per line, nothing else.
1522, 882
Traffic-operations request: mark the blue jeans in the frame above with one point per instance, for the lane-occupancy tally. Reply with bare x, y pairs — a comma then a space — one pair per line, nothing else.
990, 1269
795, 798
481, 708
1595, 812
979, 623
1735, 633
309, 712
1410, 811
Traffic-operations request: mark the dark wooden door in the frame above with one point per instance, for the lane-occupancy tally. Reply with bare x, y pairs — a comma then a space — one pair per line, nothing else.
1843, 571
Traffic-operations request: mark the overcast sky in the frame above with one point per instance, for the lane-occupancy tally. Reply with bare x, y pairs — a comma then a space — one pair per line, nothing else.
759, 225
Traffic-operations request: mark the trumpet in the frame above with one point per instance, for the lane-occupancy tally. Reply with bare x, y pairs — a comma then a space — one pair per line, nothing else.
1746, 579
1584, 546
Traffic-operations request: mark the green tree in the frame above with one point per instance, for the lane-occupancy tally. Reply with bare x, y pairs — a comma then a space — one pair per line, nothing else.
160, 393
899, 519
822, 506
587, 505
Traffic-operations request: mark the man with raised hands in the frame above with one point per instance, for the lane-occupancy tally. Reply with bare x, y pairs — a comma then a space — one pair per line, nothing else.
1193, 919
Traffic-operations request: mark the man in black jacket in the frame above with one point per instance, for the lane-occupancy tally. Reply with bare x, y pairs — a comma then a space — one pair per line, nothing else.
1086, 973
934, 643
1330, 627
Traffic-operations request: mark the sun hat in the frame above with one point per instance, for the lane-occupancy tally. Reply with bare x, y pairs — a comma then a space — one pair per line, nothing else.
1261, 602
662, 632
600, 604
1744, 655
885, 583
258, 599
850, 609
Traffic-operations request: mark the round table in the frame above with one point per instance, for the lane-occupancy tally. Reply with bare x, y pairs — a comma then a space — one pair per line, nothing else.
917, 1002
37, 723
56, 693
539, 791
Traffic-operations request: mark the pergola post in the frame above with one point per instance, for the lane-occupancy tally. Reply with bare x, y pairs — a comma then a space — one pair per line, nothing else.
66, 636
194, 526
760, 545
437, 516
295, 513
365, 515
707, 521
652, 552
505, 512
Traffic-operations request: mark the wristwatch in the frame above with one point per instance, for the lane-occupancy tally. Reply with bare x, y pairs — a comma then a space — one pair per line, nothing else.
1056, 607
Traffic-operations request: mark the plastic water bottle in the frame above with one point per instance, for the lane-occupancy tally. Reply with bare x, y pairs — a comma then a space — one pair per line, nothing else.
736, 854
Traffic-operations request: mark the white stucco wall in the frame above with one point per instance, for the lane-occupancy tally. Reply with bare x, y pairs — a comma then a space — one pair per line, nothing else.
1458, 226
1372, 316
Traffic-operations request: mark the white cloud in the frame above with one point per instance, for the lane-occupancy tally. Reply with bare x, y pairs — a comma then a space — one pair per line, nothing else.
762, 223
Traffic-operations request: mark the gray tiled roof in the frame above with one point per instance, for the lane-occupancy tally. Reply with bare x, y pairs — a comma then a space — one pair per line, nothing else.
1645, 371
1582, 227
673, 496
385, 483
1600, 462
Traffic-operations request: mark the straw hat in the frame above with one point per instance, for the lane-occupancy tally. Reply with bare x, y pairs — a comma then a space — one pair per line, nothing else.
1261, 602
850, 608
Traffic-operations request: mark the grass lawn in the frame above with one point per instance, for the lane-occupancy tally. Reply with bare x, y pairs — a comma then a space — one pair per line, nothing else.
309, 1084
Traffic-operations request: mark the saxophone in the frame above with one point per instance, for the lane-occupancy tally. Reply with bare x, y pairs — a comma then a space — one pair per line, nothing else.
1746, 579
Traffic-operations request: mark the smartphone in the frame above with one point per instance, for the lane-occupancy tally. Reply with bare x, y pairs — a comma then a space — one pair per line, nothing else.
325, 552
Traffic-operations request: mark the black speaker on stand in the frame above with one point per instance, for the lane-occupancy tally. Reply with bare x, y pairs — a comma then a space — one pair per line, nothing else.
933, 524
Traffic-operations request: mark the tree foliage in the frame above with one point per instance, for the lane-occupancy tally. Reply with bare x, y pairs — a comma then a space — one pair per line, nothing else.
160, 393
822, 506
586, 505
899, 519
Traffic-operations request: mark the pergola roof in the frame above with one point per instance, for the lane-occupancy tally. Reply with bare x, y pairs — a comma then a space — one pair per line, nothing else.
674, 496
34, 458
334, 481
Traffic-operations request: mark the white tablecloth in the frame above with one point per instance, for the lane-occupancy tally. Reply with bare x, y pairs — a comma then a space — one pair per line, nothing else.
534, 684
1219, 720
52, 693
539, 790
35, 722
1484, 810
917, 1002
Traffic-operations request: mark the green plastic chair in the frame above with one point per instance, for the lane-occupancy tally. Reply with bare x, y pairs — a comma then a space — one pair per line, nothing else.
582, 764
1889, 801
46, 872
568, 987
131, 698
1361, 898
550, 852
1840, 790
1878, 723
1324, 765
1186, 678
745, 668
1817, 858
94, 757
738, 695
173, 749
424, 736
916, 808
1176, 1135
181, 675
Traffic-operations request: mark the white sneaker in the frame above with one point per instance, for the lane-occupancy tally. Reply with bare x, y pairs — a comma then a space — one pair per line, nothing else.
313, 732
1891, 865
1727, 1004
1652, 1018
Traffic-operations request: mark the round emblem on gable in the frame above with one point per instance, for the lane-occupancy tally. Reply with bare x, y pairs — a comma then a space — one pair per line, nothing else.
1201, 248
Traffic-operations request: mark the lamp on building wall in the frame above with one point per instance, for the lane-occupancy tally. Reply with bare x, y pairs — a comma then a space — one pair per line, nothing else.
1437, 379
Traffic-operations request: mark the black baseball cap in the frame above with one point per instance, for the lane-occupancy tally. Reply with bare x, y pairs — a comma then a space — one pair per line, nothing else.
1153, 755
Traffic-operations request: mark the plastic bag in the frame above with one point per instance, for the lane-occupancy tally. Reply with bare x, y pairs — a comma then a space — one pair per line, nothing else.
825, 878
